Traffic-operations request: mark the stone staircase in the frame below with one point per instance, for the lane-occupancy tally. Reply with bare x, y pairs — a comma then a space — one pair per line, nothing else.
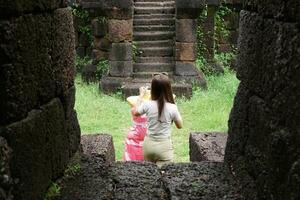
153, 35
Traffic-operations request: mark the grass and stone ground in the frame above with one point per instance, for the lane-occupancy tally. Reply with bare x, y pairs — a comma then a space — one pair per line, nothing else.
205, 111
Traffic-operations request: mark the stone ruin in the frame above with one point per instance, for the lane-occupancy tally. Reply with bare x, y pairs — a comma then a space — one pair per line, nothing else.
39, 132
146, 37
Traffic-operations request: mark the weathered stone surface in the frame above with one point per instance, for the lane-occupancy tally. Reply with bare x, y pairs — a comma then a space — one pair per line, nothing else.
263, 138
186, 30
185, 52
120, 68
111, 84
99, 146
63, 53
120, 30
98, 180
13, 8
186, 69
26, 74
39, 148
121, 52
99, 27
189, 9
88, 74
80, 52
102, 43
208, 146
281, 10
199, 80
6, 181
203, 181
99, 55
73, 130
83, 40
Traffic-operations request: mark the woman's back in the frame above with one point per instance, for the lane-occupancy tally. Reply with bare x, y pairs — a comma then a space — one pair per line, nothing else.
160, 127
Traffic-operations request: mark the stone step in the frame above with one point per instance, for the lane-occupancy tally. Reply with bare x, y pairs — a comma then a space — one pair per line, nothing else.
146, 76
153, 28
153, 35
132, 89
155, 16
155, 52
154, 59
157, 43
155, 4
141, 22
153, 67
154, 10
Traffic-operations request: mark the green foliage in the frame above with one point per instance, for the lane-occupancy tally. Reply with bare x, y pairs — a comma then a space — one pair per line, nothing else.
205, 111
201, 47
225, 58
73, 169
84, 20
135, 50
53, 191
102, 68
221, 28
81, 62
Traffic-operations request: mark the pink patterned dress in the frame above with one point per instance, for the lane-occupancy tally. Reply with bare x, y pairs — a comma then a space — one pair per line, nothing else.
135, 138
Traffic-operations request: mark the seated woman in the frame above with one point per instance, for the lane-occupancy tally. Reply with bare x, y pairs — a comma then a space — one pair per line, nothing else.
137, 132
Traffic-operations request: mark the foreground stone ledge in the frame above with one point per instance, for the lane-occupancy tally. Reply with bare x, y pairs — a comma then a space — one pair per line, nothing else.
203, 181
98, 146
207, 146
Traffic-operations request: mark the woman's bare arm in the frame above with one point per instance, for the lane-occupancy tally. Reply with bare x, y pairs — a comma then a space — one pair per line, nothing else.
178, 124
135, 112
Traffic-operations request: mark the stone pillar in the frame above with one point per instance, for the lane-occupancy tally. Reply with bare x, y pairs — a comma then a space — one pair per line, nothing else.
186, 40
209, 37
119, 15
264, 130
37, 71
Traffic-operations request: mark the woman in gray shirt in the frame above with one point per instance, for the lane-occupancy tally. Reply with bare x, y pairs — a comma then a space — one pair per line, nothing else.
161, 112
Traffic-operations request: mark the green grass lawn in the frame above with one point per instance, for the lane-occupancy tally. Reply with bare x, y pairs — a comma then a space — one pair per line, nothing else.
205, 111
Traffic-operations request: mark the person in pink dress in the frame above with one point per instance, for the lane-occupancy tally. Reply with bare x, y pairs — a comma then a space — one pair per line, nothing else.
137, 132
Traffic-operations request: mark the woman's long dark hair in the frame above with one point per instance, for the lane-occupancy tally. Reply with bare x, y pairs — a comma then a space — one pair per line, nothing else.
161, 91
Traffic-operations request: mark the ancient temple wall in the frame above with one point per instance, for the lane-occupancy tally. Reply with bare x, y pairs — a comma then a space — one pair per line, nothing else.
263, 150
39, 130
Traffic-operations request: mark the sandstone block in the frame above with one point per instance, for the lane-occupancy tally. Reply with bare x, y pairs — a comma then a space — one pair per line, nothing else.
120, 68
207, 146
185, 51
98, 146
120, 30
186, 30
186, 69
88, 74
121, 52
98, 55
102, 43
111, 84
